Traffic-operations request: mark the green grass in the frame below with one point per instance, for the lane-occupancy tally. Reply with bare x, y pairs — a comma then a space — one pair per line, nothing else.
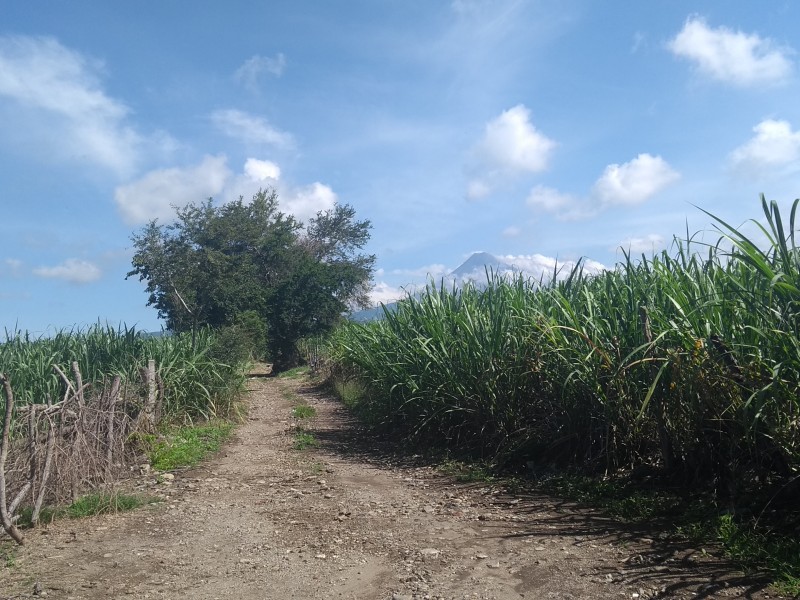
619, 497
296, 373
185, 446
315, 467
466, 472
290, 395
303, 440
753, 546
351, 392
304, 411
102, 503
8, 553
89, 505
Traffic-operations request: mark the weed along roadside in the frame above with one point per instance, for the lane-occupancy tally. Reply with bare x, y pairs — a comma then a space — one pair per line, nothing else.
85, 410
302, 412
353, 515
667, 383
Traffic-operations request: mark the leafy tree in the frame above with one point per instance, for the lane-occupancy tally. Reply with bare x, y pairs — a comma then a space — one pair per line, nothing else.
215, 263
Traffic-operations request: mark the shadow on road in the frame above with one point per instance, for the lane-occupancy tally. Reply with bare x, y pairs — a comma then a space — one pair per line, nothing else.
651, 555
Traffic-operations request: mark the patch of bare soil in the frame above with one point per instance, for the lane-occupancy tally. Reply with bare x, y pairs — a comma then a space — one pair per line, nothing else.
350, 520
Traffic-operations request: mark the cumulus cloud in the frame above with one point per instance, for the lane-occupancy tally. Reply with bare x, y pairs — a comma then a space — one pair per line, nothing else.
249, 128
539, 266
155, 195
259, 170
384, 293
635, 181
510, 145
59, 102
549, 199
305, 202
731, 56
773, 146
255, 66
535, 266
628, 184
72, 270
641, 245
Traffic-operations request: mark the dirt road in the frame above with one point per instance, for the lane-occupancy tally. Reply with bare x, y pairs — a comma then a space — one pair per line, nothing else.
350, 520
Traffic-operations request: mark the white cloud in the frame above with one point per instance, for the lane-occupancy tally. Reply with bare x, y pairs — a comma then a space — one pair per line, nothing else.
629, 184
512, 232
534, 266
510, 146
638, 245
435, 271
11, 267
731, 56
72, 270
639, 39
252, 69
384, 293
155, 195
511, 143
635, 181
305, 202
249, 128
541, 267
477, 189
774, 145
260, 170
59, 103
549, 199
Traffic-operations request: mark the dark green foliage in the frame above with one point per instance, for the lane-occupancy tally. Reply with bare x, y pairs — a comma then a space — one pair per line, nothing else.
238, 263
253, 331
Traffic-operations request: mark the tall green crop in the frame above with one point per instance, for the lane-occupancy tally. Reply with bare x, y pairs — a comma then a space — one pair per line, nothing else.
690, 358
194, 382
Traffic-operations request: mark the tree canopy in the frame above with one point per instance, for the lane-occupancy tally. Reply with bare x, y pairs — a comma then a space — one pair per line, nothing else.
216, 262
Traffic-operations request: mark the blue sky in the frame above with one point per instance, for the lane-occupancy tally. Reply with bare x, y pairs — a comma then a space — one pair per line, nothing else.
533, 130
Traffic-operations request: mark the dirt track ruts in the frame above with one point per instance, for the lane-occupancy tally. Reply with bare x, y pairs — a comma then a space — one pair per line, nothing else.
350, 519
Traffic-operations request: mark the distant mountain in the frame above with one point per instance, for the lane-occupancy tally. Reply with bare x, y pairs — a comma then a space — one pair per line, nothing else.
472, 269
475, 268
478, 262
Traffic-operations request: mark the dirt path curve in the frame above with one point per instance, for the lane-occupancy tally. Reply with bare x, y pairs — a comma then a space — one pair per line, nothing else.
348, 520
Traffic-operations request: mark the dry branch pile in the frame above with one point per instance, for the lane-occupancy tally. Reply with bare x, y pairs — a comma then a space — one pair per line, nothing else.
53, 451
